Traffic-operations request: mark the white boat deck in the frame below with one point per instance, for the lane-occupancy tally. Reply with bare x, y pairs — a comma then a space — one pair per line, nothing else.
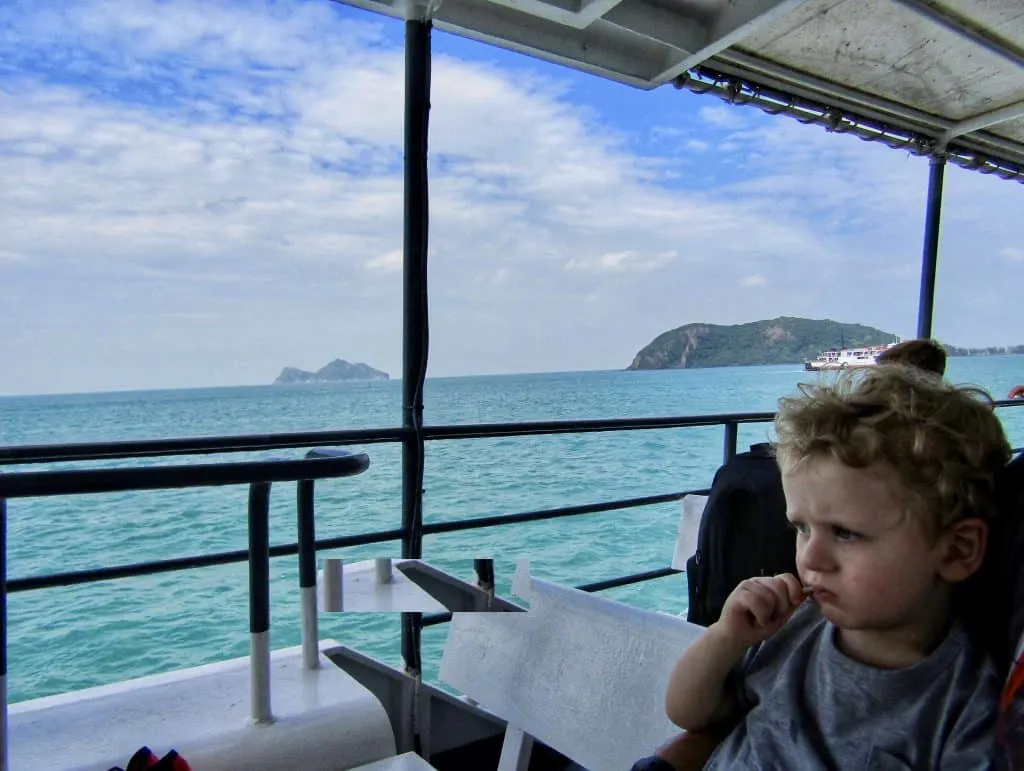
364, 592
324, 720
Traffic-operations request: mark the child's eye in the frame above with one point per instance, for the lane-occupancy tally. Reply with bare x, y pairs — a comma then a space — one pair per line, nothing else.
844, 535
799, 527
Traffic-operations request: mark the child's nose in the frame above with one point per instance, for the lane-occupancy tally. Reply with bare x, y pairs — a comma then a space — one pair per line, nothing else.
814, 554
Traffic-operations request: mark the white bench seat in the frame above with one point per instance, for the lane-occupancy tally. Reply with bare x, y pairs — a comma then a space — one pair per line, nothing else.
582, 674
324, 720
408, 761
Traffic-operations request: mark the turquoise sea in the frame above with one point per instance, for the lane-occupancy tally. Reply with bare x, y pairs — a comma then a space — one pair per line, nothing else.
76, 637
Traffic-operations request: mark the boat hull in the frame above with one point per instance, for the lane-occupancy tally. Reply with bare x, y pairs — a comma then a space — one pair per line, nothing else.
814, 366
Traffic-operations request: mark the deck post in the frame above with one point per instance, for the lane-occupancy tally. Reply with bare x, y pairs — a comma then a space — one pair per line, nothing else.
305, 491
259, 602
731, 441
414, 310
930, 257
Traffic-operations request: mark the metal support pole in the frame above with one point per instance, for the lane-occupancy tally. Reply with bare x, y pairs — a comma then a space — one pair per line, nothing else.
731, 440
484, 569
307, 574
415, 331
259, 601
930, 257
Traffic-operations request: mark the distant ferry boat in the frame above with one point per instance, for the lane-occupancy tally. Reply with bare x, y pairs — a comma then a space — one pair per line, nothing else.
846, 358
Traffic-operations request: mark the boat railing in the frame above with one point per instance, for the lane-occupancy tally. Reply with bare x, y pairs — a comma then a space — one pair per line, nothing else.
52, 483
324, 460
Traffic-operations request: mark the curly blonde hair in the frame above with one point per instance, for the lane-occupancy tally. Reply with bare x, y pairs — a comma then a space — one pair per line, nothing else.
944, 442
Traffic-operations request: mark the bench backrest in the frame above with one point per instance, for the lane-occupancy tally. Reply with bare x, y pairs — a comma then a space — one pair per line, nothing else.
584, 675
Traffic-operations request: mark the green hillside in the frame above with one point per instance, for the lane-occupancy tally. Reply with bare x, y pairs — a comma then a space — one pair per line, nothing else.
785, 340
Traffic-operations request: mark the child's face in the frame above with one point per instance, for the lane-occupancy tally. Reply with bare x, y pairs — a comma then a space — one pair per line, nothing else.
872, 567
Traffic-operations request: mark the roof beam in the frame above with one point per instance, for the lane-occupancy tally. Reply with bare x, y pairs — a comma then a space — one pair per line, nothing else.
738, 20
658, 24
575, 14
592, 10
984, 120
783, 79
966, 29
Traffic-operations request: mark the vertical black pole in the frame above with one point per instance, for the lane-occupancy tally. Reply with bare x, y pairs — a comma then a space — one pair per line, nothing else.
259, 601
730, 443
307, 533
930, 257
414, 336
307, 571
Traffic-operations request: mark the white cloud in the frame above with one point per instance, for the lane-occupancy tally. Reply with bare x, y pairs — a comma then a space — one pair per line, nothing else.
623, 261
752, 280
1009, 252
722, 116
389, 262
241, 164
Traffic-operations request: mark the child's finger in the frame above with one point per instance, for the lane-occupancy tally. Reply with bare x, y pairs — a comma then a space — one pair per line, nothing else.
793, 586
763, 603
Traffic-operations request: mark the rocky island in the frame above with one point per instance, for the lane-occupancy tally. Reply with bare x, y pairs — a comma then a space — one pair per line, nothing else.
337, 371
784, 340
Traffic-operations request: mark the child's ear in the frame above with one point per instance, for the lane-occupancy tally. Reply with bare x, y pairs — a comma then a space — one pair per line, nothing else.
964, 548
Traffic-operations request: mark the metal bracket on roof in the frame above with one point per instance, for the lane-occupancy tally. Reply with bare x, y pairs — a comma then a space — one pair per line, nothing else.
738, 91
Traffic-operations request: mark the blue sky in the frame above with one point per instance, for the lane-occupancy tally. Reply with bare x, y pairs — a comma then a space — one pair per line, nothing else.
202, 193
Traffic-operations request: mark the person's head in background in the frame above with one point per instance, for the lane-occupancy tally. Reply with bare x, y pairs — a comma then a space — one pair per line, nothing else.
923, 354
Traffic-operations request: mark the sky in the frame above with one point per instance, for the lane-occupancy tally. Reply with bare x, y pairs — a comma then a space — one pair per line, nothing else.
201, 193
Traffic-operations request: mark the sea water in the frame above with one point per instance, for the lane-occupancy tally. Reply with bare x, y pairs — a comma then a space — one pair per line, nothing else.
75, 637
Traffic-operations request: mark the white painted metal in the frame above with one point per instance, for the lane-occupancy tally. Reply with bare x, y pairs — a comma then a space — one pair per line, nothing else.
383, 570
689, 526
521, 580
515, 750
331, 579
1000, 115
310, 628
358, 584
408, 761
730, 26
583, 674
259, 677
325, 720
922, 72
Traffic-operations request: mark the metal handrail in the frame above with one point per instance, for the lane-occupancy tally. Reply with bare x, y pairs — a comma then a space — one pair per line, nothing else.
259, 475
209, 445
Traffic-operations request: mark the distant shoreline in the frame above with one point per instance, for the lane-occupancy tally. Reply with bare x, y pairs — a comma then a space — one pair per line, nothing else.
396, 381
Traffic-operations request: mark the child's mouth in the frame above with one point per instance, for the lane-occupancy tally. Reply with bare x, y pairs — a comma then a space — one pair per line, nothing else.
817, 593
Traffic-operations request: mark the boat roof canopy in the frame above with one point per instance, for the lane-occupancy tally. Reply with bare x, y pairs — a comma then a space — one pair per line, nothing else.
935, 77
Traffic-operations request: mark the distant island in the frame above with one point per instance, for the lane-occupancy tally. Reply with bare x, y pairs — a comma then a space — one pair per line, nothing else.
336, 371
784, 340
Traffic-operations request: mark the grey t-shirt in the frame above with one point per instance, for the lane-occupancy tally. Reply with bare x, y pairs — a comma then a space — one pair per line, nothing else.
809, 706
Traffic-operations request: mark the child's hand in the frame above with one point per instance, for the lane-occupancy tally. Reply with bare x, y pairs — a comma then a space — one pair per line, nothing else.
758, 608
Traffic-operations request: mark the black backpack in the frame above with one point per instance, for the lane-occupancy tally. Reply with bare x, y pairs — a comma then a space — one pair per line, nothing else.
992, 601
743, 533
